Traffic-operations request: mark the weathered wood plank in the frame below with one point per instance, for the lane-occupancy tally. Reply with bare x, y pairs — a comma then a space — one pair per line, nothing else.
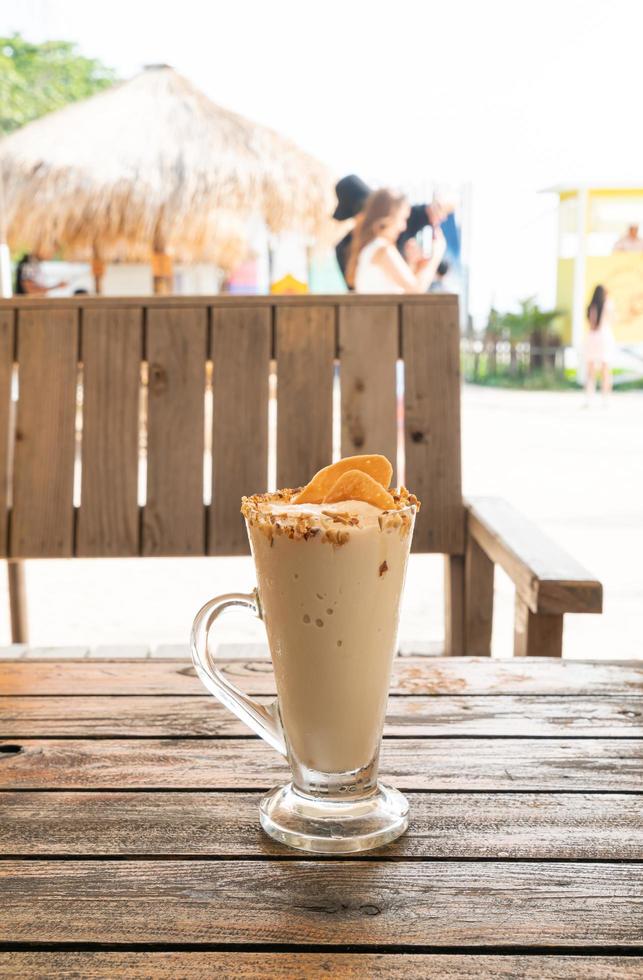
426, 716
410, 903
17, 582
6, 369
454, 605
536, 634
491, 764
108, 518
431, 350
314, 966
241, 343
543, 826
548, 579
411, 675
223, 300
478, 600
174, 515
368, 344
305, 353
42, 521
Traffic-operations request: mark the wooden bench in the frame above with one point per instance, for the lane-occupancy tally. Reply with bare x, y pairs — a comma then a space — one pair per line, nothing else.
91, 388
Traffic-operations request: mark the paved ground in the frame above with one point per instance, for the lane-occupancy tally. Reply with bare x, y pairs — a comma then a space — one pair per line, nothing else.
578, 473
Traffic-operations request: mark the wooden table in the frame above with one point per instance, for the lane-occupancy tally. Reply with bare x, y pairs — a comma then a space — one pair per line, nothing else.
131, 843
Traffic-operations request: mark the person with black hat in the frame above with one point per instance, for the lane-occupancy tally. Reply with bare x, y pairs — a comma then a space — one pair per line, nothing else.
352, 193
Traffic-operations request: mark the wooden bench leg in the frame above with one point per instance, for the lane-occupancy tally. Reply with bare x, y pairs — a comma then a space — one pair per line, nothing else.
17, 601
478, 600
537, 634
454, 605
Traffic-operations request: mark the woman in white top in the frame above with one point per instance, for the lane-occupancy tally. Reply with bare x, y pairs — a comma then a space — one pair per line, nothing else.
599, 346
374, 264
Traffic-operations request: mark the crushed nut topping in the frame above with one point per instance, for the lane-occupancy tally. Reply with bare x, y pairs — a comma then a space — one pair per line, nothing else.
323, 524
351, 519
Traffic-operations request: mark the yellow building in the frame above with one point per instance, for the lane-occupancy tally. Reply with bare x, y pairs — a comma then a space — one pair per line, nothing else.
593, 222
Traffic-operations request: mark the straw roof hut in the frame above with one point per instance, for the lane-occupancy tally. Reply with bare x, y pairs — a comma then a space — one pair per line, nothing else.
225, 241
153, 164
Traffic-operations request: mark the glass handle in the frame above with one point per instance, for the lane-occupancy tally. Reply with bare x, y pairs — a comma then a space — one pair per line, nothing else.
263, 719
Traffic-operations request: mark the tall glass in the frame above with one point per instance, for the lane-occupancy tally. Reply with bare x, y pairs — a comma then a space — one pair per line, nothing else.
329, 594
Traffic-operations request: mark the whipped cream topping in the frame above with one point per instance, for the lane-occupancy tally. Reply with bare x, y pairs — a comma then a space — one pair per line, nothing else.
365, 515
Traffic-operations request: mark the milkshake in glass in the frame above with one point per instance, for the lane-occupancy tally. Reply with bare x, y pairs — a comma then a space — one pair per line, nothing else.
330, 561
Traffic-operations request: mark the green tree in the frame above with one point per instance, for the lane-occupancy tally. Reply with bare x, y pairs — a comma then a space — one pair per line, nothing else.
532, 324
38, 78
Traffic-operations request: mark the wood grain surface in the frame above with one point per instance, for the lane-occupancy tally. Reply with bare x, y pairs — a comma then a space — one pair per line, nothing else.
368, 349
241, 346
478, 600
223, 301
481, 764
174, 514
108, 517
442, 903
447, 716
305, 340
536, 633
42, 522
454, 606
314, 966
411, 675
526, 834
548, 579
431, 351
533, 826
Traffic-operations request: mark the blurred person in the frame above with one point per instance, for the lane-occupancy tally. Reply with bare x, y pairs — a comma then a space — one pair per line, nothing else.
599, 347
414, 256
437, 286
352, 194
630, 241
375, 264
30, 278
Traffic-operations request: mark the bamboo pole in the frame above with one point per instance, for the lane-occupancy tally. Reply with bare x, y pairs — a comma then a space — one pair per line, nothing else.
98, 271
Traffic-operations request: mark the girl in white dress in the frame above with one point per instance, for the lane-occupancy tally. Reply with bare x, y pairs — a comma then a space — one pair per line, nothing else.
599, 346
374, 264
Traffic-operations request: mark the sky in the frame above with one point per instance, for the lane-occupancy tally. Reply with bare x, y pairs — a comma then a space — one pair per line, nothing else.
508, 97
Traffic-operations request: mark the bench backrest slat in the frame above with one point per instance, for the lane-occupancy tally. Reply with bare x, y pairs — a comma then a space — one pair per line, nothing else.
42, 520
432, 426
174, 515
154, 372
108, 518
240, 353
369, 349
305, 356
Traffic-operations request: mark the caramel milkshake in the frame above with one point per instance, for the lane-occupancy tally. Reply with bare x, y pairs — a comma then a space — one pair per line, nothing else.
330, 575
330, 559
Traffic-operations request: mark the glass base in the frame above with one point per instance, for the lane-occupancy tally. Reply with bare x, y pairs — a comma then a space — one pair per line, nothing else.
334, 827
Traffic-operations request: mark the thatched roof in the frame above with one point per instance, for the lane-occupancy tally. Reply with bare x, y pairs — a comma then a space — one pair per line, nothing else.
153, 163
225, 242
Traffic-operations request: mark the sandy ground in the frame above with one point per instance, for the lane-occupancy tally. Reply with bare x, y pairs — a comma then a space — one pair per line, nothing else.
577, 473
